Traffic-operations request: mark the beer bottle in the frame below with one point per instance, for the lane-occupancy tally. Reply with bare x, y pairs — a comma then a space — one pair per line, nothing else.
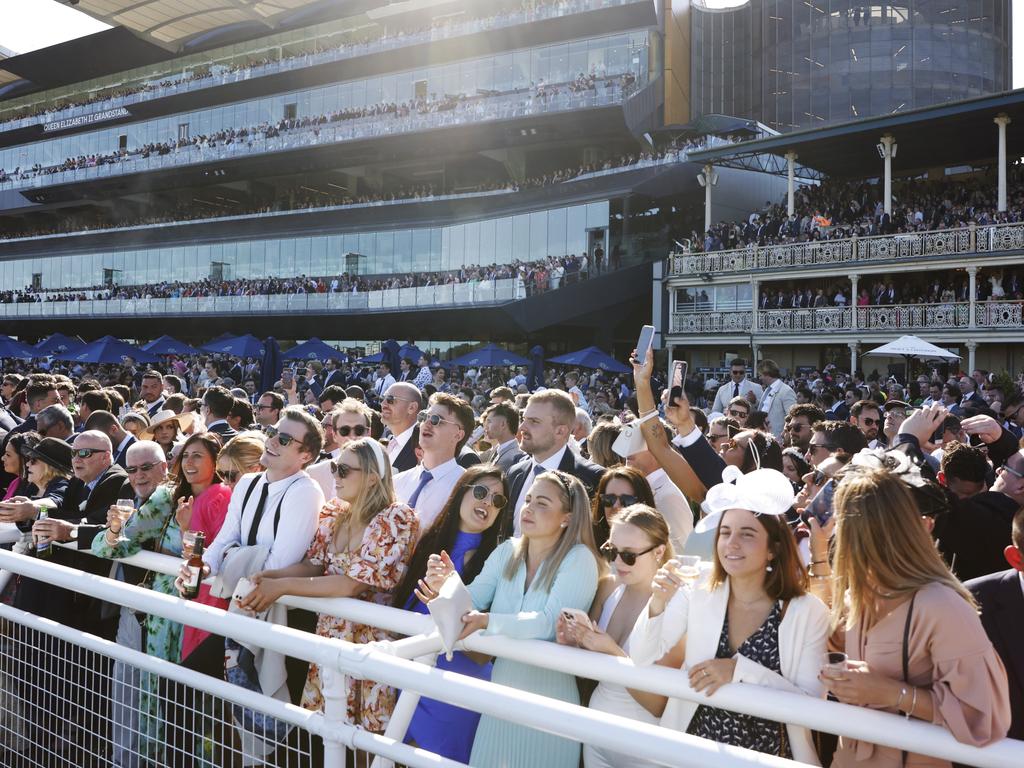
43, 546
195, 568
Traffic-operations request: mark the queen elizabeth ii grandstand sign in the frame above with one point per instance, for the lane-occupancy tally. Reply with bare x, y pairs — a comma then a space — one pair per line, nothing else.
80, 120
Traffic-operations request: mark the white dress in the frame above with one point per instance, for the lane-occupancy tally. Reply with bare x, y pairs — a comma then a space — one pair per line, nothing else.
615, 700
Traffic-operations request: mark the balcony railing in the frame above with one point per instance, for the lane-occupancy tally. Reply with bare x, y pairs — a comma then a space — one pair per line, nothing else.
947, 242
186, 83
990, 315
423, 297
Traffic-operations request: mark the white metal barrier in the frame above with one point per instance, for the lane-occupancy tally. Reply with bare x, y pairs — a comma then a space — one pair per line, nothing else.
388, 662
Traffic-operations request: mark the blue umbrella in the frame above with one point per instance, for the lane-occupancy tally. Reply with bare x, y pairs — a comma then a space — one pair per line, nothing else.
168, 345
535, 378
374, 358
591, 357
270, 367
13, 348
58, 342
238, 346
412, 352
314, 349
490, 355
107, 350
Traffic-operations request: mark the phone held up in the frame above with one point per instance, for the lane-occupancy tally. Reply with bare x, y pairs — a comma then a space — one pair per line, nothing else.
644, 343
678, 380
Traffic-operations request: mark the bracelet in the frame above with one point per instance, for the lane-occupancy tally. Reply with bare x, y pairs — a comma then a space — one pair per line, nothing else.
913, 705
899, 699
819, 562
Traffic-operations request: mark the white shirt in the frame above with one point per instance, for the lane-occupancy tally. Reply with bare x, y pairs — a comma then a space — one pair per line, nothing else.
672, 505
299, 517
321, 472
434, 494
581, 401
397, 444
382, 384
551, 462
725, 393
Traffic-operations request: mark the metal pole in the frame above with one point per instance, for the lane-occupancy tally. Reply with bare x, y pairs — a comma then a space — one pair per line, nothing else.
708, 176
1002, 121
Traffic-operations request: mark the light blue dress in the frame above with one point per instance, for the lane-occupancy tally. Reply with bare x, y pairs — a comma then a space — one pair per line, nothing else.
515, 612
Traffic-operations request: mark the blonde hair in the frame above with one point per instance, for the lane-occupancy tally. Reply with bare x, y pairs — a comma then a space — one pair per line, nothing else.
244, 449
378, 491
351, 405
49, 472
881, 545
575, 501
650, 523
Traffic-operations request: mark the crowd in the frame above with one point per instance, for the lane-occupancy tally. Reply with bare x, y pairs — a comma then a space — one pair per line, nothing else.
838, 209
833, 514
376, 115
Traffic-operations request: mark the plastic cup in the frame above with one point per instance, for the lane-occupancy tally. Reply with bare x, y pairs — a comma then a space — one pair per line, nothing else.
834, 663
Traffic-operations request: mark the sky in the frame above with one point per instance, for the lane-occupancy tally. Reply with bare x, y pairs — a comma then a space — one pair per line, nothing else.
31, 24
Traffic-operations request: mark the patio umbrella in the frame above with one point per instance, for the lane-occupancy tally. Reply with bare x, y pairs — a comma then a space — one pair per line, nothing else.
58, 342
314, 349
412, 353
13, 348
490, 355
376, 357
391, 353
107, 350
168, 345
237, 346
535, 378
591, 357
270, 366
910, 348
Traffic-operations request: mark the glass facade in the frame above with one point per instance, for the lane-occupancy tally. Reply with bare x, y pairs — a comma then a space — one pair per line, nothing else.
514, 71
501, 240
799, 63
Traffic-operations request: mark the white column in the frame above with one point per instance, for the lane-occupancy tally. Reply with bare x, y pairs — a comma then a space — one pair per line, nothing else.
755, 297
854, 346
887, 148
972, 295
972, 348
791, 183
854, 279
1002, 121
708, 178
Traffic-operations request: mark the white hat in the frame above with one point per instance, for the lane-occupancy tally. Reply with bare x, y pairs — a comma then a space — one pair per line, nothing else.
763, 491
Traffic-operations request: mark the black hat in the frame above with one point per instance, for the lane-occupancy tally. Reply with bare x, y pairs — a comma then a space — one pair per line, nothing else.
52, 451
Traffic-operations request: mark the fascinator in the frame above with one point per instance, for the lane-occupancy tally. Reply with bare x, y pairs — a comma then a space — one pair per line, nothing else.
763, 492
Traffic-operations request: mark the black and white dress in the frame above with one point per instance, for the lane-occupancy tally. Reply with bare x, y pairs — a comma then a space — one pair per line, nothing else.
732, 728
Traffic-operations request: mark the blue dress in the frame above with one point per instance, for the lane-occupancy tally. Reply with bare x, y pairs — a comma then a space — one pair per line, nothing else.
529, 614
438, 727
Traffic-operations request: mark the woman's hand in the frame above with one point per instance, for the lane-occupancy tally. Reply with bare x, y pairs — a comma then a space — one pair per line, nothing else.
472, 621
423, 592
183, 514
709, 676
17, 509
677, 412
439, 568
821, 535
564, 634
265, 592
594, 639
642, 369
859, 686
185, 576
922, 423
664, 587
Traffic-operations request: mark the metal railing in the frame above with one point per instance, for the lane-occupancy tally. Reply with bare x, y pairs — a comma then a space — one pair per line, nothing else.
185, 82
993, 238
994, 315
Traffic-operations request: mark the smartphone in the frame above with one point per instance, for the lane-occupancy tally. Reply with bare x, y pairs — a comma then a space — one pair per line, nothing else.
643, 344
975, 441
821, 505
286, 376
678, 380
575, 615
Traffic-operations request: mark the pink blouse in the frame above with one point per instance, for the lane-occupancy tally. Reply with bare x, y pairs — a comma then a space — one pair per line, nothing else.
208, 512
950, 659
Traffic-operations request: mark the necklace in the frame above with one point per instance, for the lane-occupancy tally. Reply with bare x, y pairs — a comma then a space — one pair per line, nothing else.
752, 603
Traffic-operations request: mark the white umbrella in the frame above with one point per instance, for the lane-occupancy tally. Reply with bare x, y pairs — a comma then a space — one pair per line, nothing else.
911, 346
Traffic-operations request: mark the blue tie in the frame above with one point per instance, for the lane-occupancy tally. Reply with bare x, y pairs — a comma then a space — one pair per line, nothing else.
425, 478
538, 469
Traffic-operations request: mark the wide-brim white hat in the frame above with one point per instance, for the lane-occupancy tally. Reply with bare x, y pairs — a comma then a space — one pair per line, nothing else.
183, 419
763, 491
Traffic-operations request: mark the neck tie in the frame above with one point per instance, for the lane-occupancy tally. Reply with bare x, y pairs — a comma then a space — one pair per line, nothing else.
736, 389
538, 470
258, 515
425, 477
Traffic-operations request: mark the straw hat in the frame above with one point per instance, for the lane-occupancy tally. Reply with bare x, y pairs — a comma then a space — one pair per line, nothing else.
183, 420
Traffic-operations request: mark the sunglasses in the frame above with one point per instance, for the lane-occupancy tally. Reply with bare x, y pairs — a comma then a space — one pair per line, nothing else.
341, 470
141, 467
716, 438
481, 492
229, 475
282, 437
609, 553
434, 419
392, 399
264, 407
819, 447
626, 499
359, 430
798, 428
869, 422
1014, 472
86, 453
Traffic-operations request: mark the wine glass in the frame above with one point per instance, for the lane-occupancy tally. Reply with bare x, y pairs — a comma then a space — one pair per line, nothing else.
688, 568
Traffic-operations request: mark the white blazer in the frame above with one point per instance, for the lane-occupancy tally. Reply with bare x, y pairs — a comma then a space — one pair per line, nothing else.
699, 616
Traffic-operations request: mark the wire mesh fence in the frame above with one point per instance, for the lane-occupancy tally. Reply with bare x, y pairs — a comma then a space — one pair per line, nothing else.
63, 705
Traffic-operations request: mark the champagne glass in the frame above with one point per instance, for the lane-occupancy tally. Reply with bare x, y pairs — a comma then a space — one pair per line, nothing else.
124, 510
689, 568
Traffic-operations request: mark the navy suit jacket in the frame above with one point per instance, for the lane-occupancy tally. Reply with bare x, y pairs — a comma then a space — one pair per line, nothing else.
586, 471
406, 458
1002, 614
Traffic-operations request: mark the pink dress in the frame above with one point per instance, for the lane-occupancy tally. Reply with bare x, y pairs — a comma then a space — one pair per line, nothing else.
208, 512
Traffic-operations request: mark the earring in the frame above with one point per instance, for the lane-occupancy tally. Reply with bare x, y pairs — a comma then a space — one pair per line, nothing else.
768, 568
565, 525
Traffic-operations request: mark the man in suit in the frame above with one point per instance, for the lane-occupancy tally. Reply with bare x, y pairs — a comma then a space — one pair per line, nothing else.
546, 428
333, 375
398, 410
501, 423
217, 404
120, 438
776, 400
1001, 597
268, 409
383, 380
56, 421
738, 386
151, 390
970, 399
866, 415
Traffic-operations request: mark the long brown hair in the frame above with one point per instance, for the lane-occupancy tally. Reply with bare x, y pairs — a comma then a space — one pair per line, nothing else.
641, 489
211, 444
787, 578
881, 545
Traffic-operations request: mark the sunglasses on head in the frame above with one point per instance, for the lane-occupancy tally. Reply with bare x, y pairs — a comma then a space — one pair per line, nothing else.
626, 499
342, 470
358, 430
229, 475
609, 553
282, 437
141, 467
86, 453
481, 492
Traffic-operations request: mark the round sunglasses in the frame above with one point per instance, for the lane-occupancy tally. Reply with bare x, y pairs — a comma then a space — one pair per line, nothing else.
609, 553
625, 499
358, 430
480, 492
342, 470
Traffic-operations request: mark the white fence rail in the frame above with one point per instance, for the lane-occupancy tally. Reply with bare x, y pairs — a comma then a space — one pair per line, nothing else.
387, 662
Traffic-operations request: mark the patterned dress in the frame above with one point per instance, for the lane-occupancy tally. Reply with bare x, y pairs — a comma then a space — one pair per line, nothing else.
732, 728
380, 562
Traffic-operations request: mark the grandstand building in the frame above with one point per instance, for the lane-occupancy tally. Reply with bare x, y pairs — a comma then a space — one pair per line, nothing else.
385, 168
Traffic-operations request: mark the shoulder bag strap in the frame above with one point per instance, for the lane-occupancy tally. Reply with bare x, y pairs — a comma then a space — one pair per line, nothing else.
905, 656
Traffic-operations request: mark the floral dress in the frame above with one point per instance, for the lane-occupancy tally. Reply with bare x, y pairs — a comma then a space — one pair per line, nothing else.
380, 562
163, 636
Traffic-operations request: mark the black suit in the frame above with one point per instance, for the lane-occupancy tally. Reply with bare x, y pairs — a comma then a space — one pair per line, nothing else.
223, 430
121, 457
406, 458
972, 536
1002, 614
586, 471
467, 457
